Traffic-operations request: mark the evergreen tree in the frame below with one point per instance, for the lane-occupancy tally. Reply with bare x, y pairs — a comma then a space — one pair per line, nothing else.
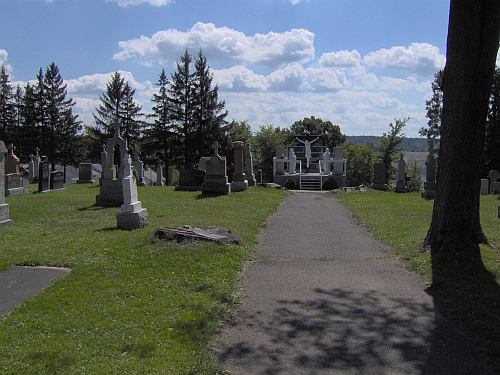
161, 141
22, 152
434, 108
492, 130
117, 105
62, 125
182, 99
7, 109
30, 130
208, 113
40, 114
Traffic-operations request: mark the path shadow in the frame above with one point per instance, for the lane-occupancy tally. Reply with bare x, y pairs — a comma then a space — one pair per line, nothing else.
341, 331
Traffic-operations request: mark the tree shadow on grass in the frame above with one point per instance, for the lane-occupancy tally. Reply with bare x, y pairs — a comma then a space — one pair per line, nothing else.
349, 332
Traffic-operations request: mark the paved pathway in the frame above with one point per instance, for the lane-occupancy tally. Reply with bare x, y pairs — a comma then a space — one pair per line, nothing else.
324, 297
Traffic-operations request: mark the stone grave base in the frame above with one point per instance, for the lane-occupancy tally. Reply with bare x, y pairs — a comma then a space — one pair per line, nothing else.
132, 220
4, 215
216, 188
111, 194
428, 194
400, 189
382, 187
239, 185
17, 191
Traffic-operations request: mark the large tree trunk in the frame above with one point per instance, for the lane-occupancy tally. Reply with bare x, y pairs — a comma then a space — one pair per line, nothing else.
472, 46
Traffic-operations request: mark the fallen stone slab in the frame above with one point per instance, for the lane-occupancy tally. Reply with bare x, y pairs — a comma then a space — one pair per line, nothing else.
187, 233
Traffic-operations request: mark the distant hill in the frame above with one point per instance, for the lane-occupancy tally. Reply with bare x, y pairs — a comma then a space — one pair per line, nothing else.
409, 144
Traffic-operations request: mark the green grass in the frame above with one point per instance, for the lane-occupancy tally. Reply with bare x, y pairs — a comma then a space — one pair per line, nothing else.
471, 297
131, 304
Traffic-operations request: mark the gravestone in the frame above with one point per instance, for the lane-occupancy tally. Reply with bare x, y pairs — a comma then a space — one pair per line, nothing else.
494, 184
379, 177
31, 168
401, 177
190, 180
159, 173
132, 215
215, 181
485, 185
111, 190
4, 207
139, 167
429, 191
85, 173
202, 163
36, 165
280, 162
57, 180
239, 182
43, 175
249, 166
13, 183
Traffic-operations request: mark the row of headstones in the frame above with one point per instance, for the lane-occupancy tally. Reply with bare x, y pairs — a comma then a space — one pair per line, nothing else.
488, 186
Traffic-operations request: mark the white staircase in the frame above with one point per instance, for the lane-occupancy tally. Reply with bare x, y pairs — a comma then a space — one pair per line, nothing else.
310, 182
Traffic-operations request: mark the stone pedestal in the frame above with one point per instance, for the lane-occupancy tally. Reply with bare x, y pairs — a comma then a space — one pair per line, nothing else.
159, 174
111, 192
132, 215
379, 177
239, 182
215, 181
249, 166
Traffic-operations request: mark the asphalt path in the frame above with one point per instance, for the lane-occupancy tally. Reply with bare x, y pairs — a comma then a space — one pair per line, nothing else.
323, 297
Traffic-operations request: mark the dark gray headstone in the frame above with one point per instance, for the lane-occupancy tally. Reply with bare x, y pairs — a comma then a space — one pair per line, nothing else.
43, 175
57, 180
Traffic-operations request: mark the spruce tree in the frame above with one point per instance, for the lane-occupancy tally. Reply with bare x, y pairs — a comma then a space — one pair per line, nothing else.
182, 99
30, 130
22, 152
208, 113
7, 109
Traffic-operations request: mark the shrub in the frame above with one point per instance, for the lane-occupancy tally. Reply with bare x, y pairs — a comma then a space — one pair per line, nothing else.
290, 184
329, 184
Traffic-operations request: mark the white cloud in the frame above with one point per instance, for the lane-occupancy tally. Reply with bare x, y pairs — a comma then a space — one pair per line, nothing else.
239, 78
156, 3
3, 61
421, 59
341, 59
221, 44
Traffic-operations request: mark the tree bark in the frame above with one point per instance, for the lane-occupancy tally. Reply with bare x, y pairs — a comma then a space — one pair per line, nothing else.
455, 231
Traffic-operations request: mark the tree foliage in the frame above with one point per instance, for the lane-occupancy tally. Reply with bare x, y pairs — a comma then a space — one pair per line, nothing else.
329, 134
360, 160
266, 140
390, 145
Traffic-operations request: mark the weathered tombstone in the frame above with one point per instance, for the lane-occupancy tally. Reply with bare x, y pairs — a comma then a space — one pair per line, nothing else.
13, 183
249, 166
85, 173
485, 185
31, 168
401, 177
190, 180
4, 207
43, 175
379, 177
111, 191
215, 181
494, 184
36, 165
259, 176
57, 180
239, 182
139, 167
429, 191
159, 173
132, 215
280, 162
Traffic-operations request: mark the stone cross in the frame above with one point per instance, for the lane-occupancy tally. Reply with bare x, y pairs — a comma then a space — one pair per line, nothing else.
36, 151
216, 147
117, 125
10, 147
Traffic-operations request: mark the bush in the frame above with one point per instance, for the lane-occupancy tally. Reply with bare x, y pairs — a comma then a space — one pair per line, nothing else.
290, 184
329, 184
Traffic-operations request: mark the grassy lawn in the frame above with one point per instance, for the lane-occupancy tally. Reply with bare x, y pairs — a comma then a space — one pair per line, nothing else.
131, 304
472, 300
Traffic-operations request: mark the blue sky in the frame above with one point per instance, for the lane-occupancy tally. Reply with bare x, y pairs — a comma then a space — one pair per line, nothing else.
359, 64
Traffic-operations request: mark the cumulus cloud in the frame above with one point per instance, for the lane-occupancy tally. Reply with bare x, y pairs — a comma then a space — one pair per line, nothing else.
221, 44
239, 78
3, 61
421, 59
156, 3
341, 59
